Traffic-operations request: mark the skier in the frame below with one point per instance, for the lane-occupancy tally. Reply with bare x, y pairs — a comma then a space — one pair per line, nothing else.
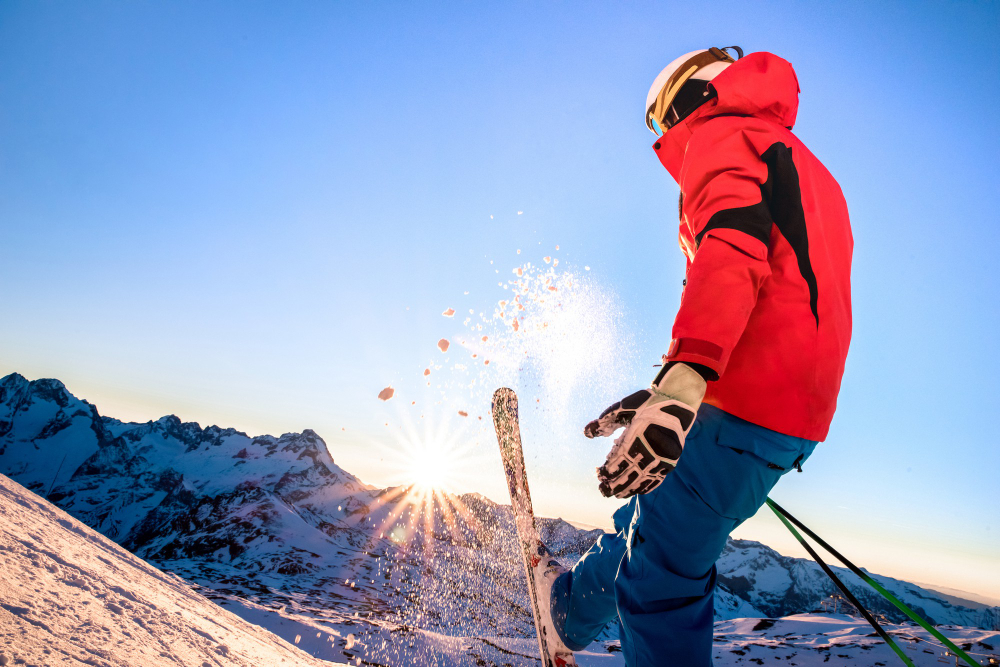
749, 384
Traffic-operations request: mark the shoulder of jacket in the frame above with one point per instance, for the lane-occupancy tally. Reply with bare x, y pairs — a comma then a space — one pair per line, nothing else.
718, 142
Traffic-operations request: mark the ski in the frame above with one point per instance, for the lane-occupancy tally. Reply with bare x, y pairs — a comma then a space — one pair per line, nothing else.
540, 567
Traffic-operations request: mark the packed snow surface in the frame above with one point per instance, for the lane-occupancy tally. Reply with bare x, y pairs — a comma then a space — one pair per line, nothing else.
272, 530
70, 596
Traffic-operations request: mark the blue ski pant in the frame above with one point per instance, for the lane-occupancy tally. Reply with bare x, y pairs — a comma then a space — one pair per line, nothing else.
656, 573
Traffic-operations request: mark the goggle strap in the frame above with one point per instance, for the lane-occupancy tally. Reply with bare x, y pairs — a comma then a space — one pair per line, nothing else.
723, 56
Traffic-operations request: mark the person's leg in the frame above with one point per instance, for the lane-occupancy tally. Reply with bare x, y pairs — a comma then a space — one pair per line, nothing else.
665, 585
583, 599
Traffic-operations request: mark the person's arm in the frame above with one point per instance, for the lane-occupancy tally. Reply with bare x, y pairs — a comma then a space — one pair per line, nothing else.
725, 209
726, 212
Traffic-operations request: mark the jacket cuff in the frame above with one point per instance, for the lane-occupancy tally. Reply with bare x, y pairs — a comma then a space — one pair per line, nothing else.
696, 351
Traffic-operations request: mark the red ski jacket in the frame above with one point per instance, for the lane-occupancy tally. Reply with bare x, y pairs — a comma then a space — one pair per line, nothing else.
765, 229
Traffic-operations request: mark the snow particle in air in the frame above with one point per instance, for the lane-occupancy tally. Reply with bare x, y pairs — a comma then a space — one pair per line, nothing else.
443, 344
557, 247
386, 393
520, 212
547, 259
449, 313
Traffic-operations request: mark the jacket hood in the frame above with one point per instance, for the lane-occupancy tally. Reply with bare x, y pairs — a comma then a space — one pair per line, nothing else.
760, 85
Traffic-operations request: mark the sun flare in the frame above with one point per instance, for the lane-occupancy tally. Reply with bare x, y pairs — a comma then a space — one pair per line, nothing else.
431, 466
425, 506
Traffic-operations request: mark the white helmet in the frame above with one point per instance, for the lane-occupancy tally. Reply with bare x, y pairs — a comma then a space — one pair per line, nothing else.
703, 65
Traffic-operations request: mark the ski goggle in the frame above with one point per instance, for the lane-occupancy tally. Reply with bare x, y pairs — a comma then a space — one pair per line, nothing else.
670, 106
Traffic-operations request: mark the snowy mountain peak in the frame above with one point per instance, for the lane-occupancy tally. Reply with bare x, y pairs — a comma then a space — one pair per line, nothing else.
132, 481
46, 389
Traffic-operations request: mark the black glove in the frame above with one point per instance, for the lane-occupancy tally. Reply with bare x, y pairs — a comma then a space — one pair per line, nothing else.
656, 422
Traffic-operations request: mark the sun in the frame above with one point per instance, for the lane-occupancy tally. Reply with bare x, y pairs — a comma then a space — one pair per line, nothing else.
431, 455
431, 465
431, 462
427, 473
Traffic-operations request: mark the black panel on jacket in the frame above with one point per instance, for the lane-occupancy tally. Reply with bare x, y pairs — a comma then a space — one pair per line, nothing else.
784, 198
781, 205
754, 220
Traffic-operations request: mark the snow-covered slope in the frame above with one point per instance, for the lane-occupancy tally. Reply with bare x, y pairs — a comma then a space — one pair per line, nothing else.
70, 596
272, 529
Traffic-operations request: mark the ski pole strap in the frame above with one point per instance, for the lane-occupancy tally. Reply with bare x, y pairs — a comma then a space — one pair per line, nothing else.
788, 520
847, 593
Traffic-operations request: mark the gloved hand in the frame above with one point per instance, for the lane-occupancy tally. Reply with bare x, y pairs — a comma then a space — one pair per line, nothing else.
656, 422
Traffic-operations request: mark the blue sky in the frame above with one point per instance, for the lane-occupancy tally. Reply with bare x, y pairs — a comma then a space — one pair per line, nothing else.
253, 214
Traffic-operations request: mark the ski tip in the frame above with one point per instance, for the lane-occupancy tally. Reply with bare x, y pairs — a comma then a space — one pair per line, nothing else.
504, 395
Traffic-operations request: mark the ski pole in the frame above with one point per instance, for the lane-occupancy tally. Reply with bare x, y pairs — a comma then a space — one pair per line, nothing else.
914, 616
843, 589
